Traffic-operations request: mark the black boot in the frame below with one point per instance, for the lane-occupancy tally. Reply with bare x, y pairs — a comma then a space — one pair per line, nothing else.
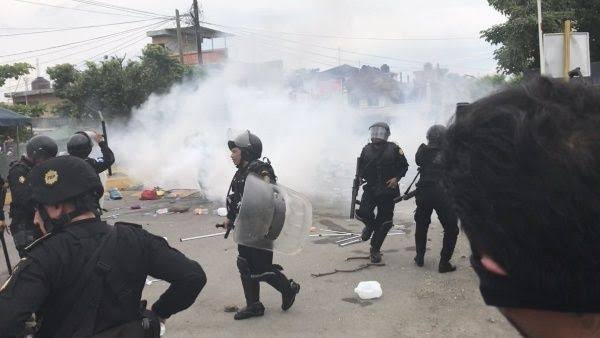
445, 266
287, 298
253, 310
254, 307
419, 260
366, 233
375, 256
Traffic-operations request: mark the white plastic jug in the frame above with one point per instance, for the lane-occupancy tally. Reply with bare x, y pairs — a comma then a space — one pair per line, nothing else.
368, 290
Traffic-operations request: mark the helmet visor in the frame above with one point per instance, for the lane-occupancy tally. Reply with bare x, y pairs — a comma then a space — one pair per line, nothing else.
242, 140
378, 132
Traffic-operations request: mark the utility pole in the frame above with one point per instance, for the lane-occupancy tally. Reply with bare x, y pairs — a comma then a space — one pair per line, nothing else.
541, 38
179, 41
197, 28
567, 50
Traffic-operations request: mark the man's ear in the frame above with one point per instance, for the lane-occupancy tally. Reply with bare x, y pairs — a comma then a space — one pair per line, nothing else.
491, 265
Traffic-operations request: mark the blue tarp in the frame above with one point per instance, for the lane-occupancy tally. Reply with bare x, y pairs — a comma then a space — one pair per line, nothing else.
9, 118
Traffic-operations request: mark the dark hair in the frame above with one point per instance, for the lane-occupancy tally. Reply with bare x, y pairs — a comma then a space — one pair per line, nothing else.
523, 174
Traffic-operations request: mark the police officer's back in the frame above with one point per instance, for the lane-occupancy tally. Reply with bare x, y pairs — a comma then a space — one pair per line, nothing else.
85, 276
430, 196
39, 149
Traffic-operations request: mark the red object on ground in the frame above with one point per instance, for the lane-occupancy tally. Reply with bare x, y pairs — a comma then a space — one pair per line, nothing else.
148, 195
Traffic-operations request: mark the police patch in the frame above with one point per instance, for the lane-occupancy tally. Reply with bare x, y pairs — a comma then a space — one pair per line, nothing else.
400, 151
21, 179
51, 177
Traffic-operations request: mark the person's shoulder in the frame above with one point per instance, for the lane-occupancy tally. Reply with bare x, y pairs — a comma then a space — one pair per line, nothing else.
396, 147
18, 166
262, 168
50, 249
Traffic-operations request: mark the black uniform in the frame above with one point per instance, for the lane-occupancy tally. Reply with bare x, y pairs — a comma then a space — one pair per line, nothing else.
103, 163
430, 196
380, 162
22, 209
42, 281
253, 261
2, 197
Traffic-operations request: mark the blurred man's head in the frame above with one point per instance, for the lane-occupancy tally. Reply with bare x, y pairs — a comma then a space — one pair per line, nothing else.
524, 176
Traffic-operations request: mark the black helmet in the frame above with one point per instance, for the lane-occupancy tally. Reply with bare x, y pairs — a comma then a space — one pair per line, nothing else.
63, 178
461, 109
41, 147
249, 144
435, 135
80, 145
380, 130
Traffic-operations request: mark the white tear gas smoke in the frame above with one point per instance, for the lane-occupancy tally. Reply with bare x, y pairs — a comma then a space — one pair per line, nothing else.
179, 139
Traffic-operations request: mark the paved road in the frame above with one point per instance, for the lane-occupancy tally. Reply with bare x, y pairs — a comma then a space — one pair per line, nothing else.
416, 302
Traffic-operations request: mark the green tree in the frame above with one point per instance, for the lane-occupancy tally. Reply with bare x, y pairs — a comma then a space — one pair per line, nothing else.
115, 85
13, 71
518, 36
35, 110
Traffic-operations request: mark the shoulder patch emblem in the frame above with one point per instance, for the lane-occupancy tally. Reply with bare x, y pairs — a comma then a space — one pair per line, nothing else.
400, 151
21, 179
51, 177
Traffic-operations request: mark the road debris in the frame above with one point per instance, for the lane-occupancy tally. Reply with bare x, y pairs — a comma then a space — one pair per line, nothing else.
203, 236
359, 268
231, 308
114, 194
368, 290
200, 211
162, 211
178, 209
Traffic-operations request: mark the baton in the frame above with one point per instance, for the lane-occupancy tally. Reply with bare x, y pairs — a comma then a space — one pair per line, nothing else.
200, 237
8, 265
105, 136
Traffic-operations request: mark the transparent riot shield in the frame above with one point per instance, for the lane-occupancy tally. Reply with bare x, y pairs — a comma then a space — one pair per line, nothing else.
272, 217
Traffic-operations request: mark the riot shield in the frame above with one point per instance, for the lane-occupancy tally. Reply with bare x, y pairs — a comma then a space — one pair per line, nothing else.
272, 217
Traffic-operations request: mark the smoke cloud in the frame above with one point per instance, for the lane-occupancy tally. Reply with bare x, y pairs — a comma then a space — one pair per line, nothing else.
179, 139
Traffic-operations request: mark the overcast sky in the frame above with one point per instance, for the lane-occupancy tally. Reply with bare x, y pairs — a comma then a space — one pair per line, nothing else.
409, 33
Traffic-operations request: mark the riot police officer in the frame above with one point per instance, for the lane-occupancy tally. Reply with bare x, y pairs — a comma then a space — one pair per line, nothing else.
255, 265
430, 196
24, 232
85, 277
80, 145
381, 164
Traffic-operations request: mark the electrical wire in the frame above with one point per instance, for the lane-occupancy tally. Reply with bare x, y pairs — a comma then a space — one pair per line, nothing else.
349, 37
78, 9
51, 30
73, 43
116, 7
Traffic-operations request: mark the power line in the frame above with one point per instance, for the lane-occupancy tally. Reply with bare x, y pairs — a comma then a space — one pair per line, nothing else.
123, 46
304, 51
299, 52
62, 49
337, 49
116, 7
351, 37
136, 34
51, 30
78, 9
73, 43
405, 61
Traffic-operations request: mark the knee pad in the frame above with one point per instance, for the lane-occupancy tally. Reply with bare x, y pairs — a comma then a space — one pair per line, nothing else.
243, 266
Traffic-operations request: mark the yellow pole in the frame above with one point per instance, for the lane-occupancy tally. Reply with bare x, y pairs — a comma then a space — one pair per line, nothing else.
567, 50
